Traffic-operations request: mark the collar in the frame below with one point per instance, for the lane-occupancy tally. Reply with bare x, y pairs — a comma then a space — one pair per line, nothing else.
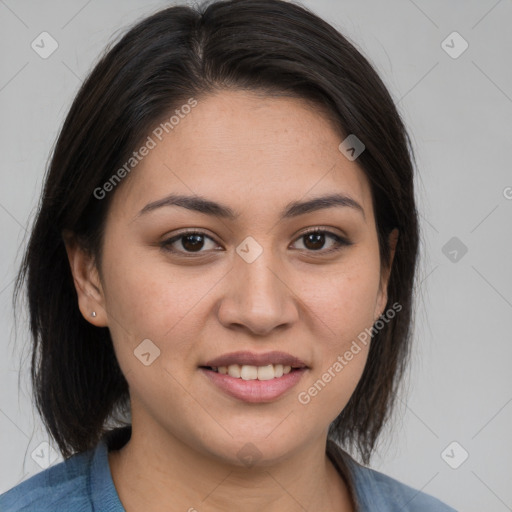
102, 489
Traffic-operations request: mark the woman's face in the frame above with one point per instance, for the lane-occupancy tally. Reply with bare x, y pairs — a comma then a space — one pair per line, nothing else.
253, 282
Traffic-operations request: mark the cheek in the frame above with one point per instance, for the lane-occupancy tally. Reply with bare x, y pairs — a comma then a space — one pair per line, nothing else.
344, 300
340, 362
150, 297
152, 301
328, 391
343, 304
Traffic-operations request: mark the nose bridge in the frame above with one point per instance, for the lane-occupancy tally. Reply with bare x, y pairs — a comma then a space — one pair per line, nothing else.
256, 269
257, 297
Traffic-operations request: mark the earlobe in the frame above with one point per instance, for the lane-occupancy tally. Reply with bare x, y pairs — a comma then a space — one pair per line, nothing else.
86, 279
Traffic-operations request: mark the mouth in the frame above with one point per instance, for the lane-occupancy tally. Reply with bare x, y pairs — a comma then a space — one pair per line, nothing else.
254, 378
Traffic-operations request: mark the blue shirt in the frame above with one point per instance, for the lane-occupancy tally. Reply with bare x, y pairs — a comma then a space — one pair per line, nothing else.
83, 483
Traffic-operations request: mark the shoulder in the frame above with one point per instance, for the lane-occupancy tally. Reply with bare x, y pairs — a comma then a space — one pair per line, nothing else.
64, 486
387, 491
376, 491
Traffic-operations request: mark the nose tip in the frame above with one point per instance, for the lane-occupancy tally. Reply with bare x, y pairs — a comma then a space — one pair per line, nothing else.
257, 297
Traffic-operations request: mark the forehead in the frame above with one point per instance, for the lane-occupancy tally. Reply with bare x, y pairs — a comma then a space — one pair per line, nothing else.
244, 149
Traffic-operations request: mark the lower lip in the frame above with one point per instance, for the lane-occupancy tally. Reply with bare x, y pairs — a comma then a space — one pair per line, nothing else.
255, 391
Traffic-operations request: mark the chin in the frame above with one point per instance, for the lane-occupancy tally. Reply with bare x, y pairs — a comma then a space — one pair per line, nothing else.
248, 448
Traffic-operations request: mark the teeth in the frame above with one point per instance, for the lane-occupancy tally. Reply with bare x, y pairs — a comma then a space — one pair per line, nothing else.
249, 372
234, 371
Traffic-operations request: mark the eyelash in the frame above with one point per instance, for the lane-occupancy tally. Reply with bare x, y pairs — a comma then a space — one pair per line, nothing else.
340, 242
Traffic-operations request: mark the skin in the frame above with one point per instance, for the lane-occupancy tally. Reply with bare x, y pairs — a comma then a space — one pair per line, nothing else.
254, 154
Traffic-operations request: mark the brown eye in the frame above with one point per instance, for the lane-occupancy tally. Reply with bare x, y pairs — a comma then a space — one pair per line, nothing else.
315, 240
192, 242
189, 242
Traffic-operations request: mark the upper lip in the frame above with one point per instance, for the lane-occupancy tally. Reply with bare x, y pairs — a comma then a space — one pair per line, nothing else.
254, 359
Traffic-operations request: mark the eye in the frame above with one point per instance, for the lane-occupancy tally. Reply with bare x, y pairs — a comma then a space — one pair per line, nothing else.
315, 239
193, 241
187, 242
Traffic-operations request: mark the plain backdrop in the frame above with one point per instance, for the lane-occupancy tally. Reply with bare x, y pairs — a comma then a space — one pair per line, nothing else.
451, 432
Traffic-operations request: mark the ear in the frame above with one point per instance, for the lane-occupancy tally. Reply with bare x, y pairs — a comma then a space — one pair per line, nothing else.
87, 281
382, 297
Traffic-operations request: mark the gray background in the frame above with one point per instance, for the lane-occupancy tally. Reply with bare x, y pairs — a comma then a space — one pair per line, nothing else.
459, 112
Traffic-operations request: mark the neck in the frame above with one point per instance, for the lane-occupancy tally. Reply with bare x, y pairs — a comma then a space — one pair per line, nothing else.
155, 469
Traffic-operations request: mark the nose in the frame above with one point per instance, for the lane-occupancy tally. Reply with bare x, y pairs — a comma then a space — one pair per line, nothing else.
258, 297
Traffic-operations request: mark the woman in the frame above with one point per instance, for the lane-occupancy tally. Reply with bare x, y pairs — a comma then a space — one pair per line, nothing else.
222, 269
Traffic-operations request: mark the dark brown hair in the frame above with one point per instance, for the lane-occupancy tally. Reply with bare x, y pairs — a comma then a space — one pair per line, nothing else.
269, 46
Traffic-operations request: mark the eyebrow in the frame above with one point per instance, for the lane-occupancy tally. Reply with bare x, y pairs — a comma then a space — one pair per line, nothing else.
293, 209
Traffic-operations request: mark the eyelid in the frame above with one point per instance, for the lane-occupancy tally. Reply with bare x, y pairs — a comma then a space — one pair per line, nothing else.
322, 229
